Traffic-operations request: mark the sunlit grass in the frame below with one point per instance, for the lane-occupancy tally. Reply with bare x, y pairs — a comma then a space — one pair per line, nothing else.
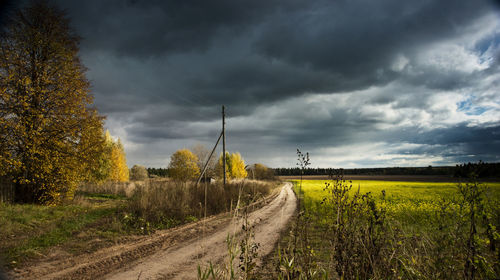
27, 230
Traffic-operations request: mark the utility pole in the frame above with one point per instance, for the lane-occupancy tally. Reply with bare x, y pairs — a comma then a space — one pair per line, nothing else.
224, 143
223, 136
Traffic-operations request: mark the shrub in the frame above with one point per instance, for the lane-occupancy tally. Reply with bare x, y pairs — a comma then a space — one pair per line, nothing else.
138, 173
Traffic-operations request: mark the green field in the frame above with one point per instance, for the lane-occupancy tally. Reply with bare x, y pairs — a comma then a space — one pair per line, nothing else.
393, 230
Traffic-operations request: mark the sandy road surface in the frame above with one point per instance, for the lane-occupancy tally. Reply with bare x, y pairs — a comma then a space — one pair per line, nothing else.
176, 253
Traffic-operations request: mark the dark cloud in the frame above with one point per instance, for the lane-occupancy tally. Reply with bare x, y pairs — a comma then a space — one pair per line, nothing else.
153, 28
354, 37
319, 75
282, 49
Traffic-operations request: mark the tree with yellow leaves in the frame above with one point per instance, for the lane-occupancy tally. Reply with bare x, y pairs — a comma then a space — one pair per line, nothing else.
50, 135
119, 169
100, 169
183, 166
220, 167
118, 162
238, 170
235, 166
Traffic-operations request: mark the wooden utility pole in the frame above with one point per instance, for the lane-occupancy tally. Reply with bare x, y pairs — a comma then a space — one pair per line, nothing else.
224, 143
223, 136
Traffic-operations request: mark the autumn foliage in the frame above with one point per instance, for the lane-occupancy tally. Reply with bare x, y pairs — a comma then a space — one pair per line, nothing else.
235, 166
183, 166
262, 172
50, 136
118, 162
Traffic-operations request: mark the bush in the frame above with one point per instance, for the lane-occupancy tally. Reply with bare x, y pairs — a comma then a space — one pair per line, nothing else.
138, 173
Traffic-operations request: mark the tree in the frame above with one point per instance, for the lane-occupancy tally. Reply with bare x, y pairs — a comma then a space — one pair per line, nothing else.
235, 166
262, 172
238, 170
157, 172
202, 153
220, 167
183, 166
118, 170
100, 170
138, 173
49, 134
111, 163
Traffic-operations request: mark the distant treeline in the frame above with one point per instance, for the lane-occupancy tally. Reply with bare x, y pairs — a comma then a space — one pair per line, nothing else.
160, 172
480, 169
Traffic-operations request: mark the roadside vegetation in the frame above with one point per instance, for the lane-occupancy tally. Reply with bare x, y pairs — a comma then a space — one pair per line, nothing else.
100, 216
163, 204
392, 230
30, 230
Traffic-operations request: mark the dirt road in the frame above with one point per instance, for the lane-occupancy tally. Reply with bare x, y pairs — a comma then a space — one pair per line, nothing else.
175, 253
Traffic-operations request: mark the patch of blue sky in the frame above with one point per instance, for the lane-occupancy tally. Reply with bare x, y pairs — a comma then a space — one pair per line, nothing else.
476, 111
468, 108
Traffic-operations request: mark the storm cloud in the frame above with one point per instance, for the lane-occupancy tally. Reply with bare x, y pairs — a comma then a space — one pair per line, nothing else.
355, 83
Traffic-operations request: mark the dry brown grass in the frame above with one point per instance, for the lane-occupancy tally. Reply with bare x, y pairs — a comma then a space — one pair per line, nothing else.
115, 188
162, 203
168, 203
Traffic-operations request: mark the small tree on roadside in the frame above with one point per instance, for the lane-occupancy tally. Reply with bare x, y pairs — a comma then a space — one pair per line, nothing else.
183, 166
138, 173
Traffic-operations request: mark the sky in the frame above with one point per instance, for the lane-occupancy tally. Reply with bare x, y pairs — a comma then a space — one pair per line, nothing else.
357, 83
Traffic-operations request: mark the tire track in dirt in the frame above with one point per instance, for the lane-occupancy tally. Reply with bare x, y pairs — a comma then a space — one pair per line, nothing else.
173, 253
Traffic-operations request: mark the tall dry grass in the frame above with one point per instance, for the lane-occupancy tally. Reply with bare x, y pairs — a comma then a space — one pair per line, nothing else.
125, 189
167, 202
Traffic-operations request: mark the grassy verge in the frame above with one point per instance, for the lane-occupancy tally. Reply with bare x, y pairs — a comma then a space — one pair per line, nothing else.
393, 230
30, 230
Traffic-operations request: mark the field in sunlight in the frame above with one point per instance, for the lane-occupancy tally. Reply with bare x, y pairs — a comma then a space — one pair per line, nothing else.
394, 230
407, 200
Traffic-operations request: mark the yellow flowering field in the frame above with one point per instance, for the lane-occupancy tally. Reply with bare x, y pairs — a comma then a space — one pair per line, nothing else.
408, 200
